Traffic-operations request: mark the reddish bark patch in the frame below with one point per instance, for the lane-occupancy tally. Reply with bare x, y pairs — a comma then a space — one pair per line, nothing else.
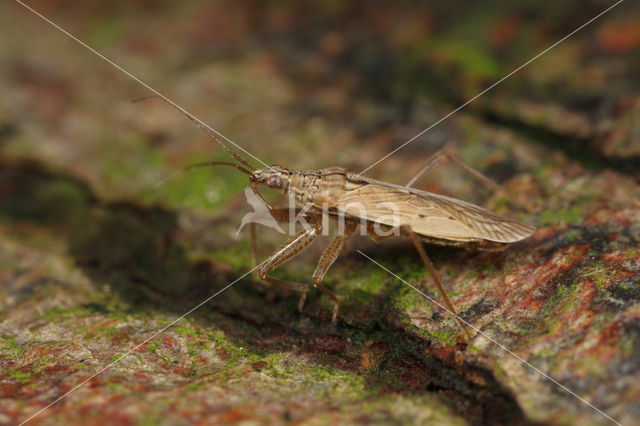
328, 345
504, 32
235, 415
415, 378
259, 365
222, 353
446, 353
562, 260
608, 345
619, 37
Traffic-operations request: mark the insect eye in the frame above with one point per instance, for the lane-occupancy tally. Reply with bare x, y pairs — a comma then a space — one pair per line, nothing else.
273, 182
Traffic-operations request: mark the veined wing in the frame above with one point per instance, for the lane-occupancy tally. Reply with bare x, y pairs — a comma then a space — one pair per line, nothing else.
428, 214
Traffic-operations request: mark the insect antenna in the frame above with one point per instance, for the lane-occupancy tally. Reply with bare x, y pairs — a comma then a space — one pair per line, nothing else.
193, 166
202, 126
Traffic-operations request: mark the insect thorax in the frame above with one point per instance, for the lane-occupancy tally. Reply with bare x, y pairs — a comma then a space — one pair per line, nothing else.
320, 188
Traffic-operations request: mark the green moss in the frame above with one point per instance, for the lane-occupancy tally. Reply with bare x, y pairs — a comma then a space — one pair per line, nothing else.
360, 288
235, 354
489, 269
571, 215
10, 348
120, 164
371, 281
116, 387
196, 343
195, 386
109, 331
154, 345
64, 201
185, 331
40, 364
593, 365
237, 255
406, 409
500, 373
252, 358
599, 273
566, 297
545, 170
547, 352
474, 349
470, 59
444, 336
151, 420
573, 235
60, 314
22, 376
324, 381
502, 203
407, 299
105, 31
203, 188
140, 358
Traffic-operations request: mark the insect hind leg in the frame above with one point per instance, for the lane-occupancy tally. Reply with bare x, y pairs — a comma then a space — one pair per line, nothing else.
427, 262
444, 155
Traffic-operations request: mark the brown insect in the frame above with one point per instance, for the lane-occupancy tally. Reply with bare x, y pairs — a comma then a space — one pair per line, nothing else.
378, 206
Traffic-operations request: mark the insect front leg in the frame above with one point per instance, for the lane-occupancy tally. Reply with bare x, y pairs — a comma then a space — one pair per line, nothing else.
326, 260
286, 251
279, 214
406, 230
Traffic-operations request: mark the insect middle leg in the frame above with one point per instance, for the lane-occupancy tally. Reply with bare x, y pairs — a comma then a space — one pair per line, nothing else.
326, 260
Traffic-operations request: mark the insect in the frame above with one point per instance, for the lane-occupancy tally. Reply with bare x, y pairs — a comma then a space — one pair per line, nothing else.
361, 201
378, 207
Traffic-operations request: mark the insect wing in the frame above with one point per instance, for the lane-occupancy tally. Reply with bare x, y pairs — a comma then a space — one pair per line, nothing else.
430, 214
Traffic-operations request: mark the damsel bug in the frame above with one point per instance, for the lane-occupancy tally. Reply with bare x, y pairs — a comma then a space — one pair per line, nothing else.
360, 201
379, 208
